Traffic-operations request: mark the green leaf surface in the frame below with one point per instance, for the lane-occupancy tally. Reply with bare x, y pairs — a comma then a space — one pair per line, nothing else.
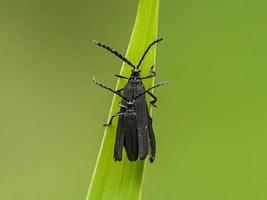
123, 180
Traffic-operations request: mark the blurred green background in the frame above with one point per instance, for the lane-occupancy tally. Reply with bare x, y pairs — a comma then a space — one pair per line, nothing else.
210, 123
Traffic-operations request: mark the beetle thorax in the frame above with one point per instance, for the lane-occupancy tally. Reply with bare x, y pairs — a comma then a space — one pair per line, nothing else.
130, 106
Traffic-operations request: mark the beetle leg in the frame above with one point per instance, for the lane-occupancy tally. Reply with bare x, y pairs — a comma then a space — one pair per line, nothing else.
149, 76
120, 76
110, 121
153, 73
152, 70
154, 99
119, 90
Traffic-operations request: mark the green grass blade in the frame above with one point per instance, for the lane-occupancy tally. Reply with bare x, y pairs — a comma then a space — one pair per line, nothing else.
123, 180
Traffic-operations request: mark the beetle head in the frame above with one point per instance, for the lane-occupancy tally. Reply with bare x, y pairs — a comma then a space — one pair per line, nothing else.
135, 73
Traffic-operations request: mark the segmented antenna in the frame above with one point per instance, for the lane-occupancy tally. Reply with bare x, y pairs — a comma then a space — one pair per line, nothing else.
146, 51
155, 86
107, 88
114, 52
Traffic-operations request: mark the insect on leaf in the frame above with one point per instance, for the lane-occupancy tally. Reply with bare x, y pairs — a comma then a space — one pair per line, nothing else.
123, 180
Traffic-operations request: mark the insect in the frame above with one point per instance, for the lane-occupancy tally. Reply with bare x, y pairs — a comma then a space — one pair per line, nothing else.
133, 88
135, 80
127, 135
